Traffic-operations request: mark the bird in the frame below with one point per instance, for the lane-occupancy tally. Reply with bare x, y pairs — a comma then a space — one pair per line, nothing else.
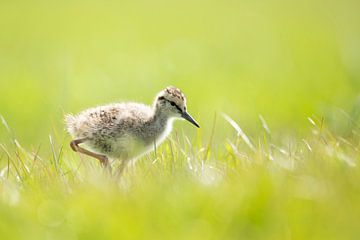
126, 131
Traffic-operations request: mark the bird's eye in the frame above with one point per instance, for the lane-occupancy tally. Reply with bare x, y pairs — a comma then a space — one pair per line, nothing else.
172, 103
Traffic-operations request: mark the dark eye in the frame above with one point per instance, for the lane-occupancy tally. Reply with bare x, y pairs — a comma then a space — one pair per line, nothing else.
172, 103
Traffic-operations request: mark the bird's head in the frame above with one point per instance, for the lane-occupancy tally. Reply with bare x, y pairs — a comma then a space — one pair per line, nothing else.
172, 102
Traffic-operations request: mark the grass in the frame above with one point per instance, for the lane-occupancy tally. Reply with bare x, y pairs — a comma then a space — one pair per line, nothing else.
265, 186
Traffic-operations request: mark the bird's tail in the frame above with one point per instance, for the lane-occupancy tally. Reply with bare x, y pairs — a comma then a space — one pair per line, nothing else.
70, 122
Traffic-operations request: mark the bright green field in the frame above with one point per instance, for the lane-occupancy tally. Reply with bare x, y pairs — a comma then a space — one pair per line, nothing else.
286, 72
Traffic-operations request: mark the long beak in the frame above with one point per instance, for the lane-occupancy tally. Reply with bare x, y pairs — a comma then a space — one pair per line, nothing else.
186, 116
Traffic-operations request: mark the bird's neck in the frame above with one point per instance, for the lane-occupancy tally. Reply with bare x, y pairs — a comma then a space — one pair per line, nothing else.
160, 119
158, 126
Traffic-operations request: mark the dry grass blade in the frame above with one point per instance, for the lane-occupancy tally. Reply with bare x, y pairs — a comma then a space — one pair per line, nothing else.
312, 121
207, 152
307, 145
55, 157
3, 121
12, 162
264, 124
239, 131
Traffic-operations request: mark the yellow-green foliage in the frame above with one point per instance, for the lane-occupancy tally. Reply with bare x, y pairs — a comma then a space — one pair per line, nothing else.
266, 187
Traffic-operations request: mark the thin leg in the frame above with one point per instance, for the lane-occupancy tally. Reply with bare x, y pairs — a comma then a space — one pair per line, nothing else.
121, 168
102, 158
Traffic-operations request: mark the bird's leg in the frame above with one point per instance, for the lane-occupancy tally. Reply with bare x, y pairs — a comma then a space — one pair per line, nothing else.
102, 158
119, 172
121, 168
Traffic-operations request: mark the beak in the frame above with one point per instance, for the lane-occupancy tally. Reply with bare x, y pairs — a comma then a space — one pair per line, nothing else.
186, 116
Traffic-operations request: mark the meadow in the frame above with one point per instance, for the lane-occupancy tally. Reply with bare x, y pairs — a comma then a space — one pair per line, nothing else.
274, 85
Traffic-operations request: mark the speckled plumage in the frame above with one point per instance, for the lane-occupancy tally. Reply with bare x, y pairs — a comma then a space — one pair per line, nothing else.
126, 131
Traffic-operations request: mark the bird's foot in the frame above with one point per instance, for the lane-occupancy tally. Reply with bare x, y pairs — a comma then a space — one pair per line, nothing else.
105, 163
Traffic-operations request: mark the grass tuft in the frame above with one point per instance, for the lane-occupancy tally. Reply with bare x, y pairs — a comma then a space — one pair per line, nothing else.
270, 187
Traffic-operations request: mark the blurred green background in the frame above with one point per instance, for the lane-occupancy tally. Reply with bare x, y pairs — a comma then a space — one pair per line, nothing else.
283, 59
